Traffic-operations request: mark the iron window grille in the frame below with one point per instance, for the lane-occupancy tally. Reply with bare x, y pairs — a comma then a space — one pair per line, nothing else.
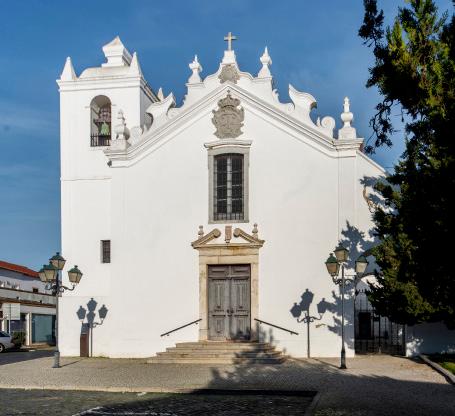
105, 251
228, 187
103, 123
97, 140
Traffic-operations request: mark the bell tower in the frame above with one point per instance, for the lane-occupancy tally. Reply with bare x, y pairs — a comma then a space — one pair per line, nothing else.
94, 103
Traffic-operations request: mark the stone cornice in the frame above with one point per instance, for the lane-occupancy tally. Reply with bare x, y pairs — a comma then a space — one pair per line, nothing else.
120, 81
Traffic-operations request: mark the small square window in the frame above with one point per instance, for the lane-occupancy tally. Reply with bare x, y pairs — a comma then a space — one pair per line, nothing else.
105, 251
35, 290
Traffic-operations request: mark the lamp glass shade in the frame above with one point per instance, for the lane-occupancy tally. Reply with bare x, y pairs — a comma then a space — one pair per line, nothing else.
341, 253
332, 265
361, 264
57, 261
74, 275
50, 272
42, 275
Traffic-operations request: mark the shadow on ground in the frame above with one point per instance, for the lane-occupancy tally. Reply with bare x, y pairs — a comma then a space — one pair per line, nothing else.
15, 356
372, 386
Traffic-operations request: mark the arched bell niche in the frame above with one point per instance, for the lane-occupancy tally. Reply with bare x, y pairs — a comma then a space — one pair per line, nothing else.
100, 121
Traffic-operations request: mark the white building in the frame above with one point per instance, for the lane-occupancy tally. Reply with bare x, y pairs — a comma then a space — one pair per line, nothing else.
224, 209
22, 291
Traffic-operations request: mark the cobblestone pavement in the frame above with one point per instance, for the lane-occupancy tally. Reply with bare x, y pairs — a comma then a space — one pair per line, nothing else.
81, 403
372, 385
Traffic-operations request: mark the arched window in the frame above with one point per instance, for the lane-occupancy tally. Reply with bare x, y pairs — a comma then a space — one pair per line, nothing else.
100, 121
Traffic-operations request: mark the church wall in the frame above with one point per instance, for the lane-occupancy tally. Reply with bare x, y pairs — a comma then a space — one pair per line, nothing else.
293, 198
429, 338
85, 221
304, 196
86, 202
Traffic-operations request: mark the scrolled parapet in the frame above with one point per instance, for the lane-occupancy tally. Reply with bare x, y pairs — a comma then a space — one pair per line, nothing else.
303, 103
327, 125
159, 110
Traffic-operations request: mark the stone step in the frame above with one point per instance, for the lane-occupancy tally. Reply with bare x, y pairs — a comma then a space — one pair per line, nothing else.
220, 354
212, 352
237, 346
216, 348
196, 360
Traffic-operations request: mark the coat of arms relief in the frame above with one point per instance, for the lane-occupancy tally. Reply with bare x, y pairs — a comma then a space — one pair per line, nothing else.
228, 73
228, 119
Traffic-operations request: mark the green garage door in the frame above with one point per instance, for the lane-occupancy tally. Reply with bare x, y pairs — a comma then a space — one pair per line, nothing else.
43, 328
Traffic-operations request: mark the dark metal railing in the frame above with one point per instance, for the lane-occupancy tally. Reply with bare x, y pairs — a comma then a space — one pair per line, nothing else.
100, 140
276, 326
181, 327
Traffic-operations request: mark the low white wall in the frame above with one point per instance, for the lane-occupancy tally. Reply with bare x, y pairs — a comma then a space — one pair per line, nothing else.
429, 338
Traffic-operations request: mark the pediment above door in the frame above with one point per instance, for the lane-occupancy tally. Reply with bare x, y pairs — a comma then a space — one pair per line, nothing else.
236, 238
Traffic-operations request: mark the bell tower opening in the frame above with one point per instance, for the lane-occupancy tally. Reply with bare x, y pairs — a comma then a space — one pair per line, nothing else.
100, 121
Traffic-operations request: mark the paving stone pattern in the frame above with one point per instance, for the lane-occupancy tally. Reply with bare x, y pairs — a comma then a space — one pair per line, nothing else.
62, 403
372, 385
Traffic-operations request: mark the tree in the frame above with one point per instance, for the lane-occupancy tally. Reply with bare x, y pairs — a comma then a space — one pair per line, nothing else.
414, 71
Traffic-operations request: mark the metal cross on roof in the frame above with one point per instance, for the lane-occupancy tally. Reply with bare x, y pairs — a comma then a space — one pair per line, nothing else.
229, 38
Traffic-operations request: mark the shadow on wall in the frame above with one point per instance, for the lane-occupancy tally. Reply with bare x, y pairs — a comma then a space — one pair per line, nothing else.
430, 338
357, 242
88, 318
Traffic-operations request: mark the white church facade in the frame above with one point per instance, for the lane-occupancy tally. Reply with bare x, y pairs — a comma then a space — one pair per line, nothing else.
222, 210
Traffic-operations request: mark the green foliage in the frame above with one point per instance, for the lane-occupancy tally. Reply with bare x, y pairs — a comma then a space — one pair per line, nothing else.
414, 72
18, 338
445, 360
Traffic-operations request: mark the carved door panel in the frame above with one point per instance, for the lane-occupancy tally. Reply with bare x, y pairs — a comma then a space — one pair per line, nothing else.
218, 304
229, 302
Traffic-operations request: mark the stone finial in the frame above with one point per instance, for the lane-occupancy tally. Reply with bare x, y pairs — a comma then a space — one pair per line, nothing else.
121, 131
68, 73
346, 116
116, 53
200, 233
347, 131
255, 230
160, 94
266, 61
135, 68
196, 67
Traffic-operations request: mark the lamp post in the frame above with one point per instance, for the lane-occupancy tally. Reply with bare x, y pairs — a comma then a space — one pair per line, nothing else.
51, 274
334, 264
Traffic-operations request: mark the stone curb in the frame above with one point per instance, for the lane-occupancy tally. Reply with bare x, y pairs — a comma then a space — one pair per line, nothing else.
447, 374
311, 409
106, 389
194, 389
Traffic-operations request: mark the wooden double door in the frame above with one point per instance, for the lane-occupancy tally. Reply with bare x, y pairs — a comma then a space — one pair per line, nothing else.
229, 300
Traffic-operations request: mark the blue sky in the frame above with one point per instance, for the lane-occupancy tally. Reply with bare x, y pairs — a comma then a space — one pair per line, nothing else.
314, 46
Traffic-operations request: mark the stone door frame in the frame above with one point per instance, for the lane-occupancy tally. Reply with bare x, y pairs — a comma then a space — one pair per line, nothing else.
246, 252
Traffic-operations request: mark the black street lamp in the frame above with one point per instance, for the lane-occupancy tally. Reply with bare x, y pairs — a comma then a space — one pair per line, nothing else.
52, 276
334, 264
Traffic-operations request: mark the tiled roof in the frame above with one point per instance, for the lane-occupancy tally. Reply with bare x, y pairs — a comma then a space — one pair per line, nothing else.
19, 269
